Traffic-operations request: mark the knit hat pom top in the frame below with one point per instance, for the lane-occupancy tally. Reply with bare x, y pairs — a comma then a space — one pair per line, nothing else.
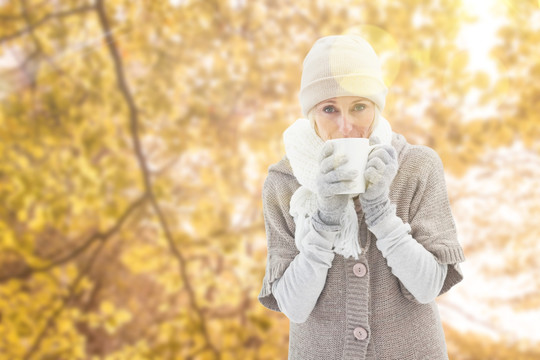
341, 65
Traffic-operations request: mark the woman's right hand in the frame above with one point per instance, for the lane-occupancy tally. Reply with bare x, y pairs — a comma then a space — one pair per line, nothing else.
333, 179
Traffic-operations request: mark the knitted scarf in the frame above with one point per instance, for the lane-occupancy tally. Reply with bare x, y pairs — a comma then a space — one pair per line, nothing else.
303, 147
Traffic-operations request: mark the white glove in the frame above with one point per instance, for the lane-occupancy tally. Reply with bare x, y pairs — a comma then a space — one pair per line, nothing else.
332, 179
381, 168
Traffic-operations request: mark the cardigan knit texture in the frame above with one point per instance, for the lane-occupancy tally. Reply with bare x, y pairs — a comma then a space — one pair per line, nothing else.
396, 325
298, 289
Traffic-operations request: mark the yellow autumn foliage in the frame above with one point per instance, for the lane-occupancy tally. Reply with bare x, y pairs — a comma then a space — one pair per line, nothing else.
136, 135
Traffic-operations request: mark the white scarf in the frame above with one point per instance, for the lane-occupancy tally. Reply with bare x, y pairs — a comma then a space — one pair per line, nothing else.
303, 147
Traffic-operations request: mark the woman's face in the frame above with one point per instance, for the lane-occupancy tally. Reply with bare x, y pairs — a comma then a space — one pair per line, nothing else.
344, 117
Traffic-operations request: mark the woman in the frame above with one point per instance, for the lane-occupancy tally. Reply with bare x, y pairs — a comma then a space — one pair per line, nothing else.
357, 274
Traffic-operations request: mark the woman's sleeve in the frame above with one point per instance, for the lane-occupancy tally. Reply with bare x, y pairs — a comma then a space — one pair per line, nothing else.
416, 268
432, 223
293, 280
298, 290
281, 248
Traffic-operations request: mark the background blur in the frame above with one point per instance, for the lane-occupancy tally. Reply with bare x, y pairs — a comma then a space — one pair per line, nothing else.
135, 137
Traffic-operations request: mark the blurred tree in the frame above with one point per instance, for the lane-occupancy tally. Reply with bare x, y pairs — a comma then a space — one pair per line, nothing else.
136, 136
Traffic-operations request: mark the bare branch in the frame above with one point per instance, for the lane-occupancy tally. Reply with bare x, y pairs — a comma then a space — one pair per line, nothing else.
10, 17
56, 314
134, 124
45, 19
79, 250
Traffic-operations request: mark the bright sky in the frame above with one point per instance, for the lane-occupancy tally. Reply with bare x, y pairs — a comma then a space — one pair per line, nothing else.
479, 37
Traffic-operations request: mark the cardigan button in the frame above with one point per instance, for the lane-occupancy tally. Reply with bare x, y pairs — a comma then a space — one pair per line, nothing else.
360, 333
359, 269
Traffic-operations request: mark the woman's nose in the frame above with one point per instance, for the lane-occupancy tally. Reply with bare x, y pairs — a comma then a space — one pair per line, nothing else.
345, 124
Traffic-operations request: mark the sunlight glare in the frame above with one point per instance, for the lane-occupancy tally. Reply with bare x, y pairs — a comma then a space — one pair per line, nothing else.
479, 37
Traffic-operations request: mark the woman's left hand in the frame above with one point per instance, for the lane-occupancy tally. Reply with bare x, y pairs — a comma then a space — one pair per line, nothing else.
381, 168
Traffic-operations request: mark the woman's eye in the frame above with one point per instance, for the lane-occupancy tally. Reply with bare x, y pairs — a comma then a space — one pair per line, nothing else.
328, 109
359, 107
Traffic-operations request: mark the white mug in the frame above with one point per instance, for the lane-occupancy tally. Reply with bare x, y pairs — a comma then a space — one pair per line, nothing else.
356, 150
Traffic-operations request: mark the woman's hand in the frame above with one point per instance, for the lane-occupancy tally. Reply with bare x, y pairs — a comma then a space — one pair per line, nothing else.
380, 171
381, 168
332, 180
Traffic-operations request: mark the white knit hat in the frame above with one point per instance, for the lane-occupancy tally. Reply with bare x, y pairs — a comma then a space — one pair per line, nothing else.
341, 65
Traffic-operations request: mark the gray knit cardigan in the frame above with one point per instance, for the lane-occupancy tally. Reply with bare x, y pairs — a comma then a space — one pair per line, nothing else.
398, 326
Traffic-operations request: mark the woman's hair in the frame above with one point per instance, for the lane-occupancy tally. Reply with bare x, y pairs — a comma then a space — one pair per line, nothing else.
375, 121
311, 118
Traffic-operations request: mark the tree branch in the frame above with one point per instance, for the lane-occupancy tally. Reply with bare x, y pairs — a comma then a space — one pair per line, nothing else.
134, 120
79, 250
54, 316
45, 19
10, 17
39, 51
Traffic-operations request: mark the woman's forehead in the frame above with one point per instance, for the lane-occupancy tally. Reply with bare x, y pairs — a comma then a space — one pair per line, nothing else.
344, 99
